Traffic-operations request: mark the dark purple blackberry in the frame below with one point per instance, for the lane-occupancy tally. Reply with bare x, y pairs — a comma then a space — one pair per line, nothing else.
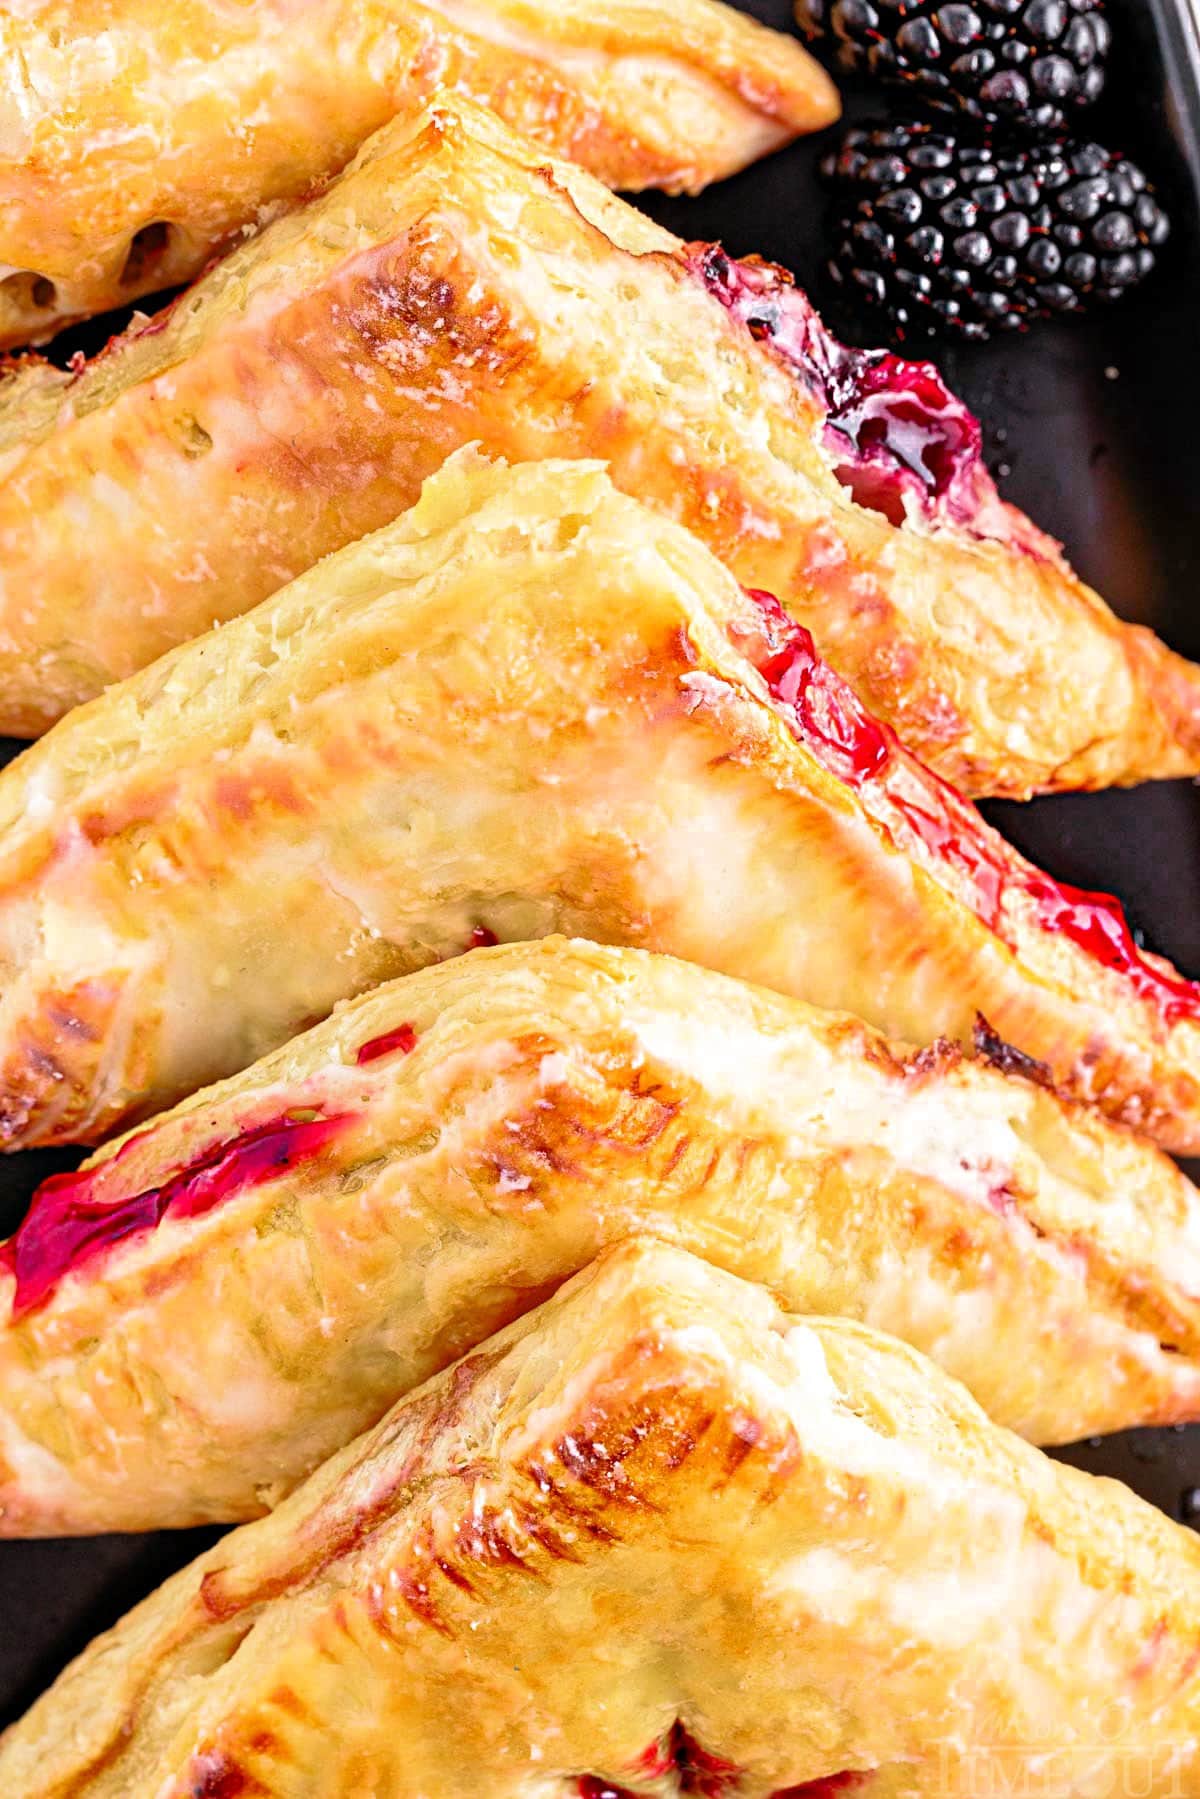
945, 233
1030, 62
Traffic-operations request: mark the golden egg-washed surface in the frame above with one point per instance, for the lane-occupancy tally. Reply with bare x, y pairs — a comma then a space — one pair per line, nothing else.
212, 1307
530, 705
658, 1538
137, 137
455, 285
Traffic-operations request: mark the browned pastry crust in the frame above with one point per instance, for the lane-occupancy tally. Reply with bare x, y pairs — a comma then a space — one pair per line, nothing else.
659, 1538
379, 1196
455, 286
138, 136
529, 705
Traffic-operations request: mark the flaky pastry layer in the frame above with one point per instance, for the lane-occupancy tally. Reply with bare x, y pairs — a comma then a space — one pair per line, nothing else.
139, 136
214, 1306
454, 285
658, 1538
530, 705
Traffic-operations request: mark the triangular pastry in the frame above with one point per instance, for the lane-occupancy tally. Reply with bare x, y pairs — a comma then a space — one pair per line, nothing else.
455, 285
206, 1311
530, 705
659, 1538
139, 136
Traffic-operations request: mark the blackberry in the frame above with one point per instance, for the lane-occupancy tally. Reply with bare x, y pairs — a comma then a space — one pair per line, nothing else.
971, 236
1029, 62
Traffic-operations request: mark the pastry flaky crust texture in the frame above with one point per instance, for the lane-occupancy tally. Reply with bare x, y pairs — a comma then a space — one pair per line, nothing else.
495, 1123
661, 1538
138, 136
455, 286
530, 705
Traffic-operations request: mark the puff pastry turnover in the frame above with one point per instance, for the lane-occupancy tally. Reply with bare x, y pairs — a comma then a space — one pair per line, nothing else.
386, 1191
137, 136
658, 1538
529, 705
454, 285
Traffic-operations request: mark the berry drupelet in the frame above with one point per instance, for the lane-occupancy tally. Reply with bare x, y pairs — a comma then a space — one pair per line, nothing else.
1029, 62
971, 236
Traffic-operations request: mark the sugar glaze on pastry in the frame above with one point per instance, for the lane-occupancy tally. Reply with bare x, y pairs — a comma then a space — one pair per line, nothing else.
658, 1538
216, 1304
530, 705
455, 285
139, 136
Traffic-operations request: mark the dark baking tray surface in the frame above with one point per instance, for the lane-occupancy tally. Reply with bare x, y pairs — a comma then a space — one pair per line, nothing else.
1093, 427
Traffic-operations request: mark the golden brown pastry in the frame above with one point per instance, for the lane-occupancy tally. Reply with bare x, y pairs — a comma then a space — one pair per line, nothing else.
208, 1310
454, 285
658, 1538
137, 136
530, 705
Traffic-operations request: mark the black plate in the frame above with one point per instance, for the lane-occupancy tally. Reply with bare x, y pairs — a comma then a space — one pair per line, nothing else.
1094, 429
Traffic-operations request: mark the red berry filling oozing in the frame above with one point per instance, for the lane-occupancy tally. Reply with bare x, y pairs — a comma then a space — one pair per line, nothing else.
401, 1041
700, 1773
826, 716
68, 1225
901, 437
708, 1776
